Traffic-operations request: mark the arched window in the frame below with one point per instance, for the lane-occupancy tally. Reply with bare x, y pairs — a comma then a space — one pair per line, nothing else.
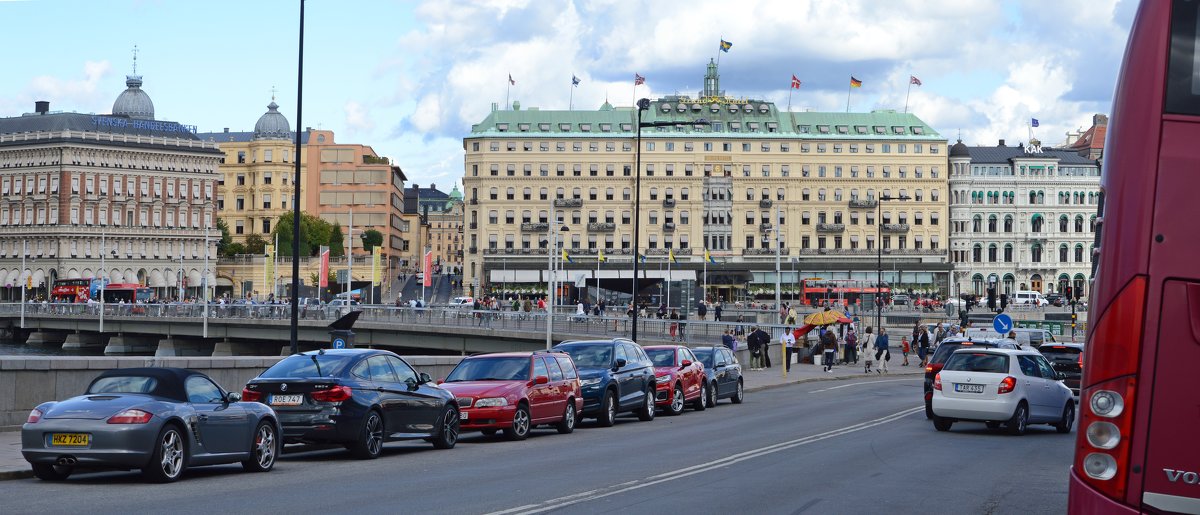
977, 284
1092, 225
1036, 224
977, 225
1033, 197
1062, 253
1008, 223
1041, 197
1078, 253
1078, 223
977, 253
1062, 223
992, 223
1035, 253
1008, 253
992, 253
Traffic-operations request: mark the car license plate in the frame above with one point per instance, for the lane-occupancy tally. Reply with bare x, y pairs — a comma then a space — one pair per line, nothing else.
968, 388
286, 400
70, 439
462, 415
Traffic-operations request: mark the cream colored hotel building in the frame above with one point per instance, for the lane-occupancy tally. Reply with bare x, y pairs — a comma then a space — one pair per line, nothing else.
726, 187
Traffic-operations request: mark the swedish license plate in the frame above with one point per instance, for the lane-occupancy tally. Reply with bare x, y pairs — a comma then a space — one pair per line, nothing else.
286, 400
968, 388
462, 415
70, 439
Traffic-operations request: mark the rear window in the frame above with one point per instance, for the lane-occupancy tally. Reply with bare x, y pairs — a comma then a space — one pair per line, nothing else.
1059, 353
978, 362
568, 368
661, 357
492, 369
123, 384
947, 348
303, 365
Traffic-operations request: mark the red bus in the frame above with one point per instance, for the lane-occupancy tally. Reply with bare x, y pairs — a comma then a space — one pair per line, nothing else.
131, 293
71, 290
840, 292
1135, 449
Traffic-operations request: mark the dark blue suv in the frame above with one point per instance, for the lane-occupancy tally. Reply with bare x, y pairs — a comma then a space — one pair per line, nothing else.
616, 375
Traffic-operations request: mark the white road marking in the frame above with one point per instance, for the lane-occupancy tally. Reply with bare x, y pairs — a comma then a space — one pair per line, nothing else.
591, 495
862, 383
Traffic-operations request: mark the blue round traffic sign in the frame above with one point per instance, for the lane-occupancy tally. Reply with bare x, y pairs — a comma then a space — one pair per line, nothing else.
1002, 324
339, 343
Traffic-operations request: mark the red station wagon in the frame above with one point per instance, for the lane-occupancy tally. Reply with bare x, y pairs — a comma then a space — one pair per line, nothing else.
679, 377
515, 391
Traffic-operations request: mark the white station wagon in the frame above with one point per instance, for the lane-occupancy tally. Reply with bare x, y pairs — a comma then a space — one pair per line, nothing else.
1001, 386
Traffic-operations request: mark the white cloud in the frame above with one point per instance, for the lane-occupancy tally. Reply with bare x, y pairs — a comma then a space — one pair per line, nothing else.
74, 93
357, 118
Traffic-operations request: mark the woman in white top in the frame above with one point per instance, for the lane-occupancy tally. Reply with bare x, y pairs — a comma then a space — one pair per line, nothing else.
789, 342
866, 351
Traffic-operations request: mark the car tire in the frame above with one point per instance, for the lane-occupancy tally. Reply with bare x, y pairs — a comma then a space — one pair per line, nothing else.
646, 412
1068, 418
1019, 421
519, 429
942, 424
49, 472
264, 448
447, 433
712, 394
701, 402
739, 395
169, 459
608, 409
369, 444
567, 424
929, 410
677, 404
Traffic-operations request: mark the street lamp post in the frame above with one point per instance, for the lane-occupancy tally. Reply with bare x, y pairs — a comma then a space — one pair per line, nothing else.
643, 105
879, 262
778, 285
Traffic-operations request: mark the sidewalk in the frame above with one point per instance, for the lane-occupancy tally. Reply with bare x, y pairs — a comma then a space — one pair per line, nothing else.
13, 466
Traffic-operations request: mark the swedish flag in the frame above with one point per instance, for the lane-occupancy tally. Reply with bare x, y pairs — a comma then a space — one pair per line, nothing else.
566, 257
725, 46
671, 255
708, 257
600, 257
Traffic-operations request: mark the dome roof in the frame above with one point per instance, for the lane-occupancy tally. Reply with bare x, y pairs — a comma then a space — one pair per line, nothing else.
134, 102
455, 194
272, 124
959, 150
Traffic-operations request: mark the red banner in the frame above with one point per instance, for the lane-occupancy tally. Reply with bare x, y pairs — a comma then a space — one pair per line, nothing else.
428, 268
323, 273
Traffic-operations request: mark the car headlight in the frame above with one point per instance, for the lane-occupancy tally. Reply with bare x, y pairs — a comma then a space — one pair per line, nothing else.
491, 402
589, 382
662, 379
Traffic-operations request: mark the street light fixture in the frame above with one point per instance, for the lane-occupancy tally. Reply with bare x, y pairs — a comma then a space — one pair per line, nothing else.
879, 263
643, 105
551, 286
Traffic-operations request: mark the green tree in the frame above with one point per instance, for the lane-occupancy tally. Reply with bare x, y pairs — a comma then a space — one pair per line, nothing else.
336, 246
226, 239
235, 248
314, 232
255, 244
371, 239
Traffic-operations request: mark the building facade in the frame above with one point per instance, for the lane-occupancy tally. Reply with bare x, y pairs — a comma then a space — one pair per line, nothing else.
134, 190
433, 221
753, 182
1022, 217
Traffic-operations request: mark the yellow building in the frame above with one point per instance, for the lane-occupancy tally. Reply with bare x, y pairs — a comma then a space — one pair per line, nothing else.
725, 187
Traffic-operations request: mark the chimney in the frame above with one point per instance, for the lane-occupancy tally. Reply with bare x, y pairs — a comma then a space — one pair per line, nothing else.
1100, 119
41, 107
1001, 143
227, 130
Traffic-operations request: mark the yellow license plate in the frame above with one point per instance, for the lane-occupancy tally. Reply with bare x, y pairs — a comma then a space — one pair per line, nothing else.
70, 439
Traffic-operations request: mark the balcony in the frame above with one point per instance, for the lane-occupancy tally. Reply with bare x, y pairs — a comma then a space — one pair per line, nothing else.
894, 227
764, 203
765, 252
669, 227
568, 202
863, 204
602, 227
668, 202
474, 201
663, 252
474, 225
831, 227
472, 250
535, 227
764, 227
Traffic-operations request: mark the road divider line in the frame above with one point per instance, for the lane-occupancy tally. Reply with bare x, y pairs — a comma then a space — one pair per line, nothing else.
591, 495
862, 383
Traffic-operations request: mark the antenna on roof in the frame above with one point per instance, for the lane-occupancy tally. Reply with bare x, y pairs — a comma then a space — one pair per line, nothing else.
272, 93
135, 53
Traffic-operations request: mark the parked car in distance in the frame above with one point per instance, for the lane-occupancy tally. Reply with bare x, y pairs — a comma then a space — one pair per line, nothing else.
723, 372
1055, 299
1067, 359
515, 391
616, 376
901, 299
1028, 297
1025, 336
462, 302
1001, 386
680, 378
360, 398
161, 420
943, 352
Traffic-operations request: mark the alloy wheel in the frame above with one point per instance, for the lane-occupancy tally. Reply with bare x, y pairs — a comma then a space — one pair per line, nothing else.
374, 434
172, 453
264, 446
677, 400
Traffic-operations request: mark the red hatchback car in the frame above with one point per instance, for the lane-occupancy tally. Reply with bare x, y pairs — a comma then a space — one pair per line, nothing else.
680, 378
515, 391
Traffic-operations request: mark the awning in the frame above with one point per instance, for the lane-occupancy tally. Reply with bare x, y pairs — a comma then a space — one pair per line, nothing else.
38, 278
171, 277
675, 275
194, 278
157, 280
212, 279
502, 276
225, 282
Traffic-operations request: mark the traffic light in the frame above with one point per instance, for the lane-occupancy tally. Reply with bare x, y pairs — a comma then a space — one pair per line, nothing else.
991, 300
1003, 301
1070, 294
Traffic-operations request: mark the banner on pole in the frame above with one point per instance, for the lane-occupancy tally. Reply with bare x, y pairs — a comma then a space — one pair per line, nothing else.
323, 272
376, 271
427, 268
269, 277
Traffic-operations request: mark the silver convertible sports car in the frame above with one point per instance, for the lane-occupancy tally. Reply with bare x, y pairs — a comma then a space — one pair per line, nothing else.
159, 420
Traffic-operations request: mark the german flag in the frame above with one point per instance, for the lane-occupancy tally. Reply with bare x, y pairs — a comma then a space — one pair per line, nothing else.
855, 83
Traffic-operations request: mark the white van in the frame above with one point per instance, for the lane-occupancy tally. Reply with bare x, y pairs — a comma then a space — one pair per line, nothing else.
1027, 337
1029, 297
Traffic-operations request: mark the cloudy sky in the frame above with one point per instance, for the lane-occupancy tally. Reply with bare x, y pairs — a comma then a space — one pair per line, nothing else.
409, 78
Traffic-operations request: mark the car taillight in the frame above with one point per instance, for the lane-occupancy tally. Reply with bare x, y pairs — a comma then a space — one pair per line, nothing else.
249, 395
335, 394
1007, 384
1080, 361
34, 416
937, 382
131, 416
1103, 444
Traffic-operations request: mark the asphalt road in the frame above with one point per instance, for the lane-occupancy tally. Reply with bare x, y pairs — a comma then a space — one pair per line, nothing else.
860, 446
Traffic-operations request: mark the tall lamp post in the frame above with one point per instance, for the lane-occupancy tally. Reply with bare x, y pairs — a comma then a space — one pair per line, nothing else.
643, 105
879, 262
551, 285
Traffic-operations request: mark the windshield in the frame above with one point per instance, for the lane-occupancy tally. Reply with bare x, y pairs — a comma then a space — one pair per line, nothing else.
302, 365
491, 369
662, 357
590, 356
704, 355
978, 362
123, 384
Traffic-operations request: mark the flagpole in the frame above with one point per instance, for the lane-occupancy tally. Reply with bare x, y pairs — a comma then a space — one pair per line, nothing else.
705, 295
571, 103
669, 278
790, 98
907, 94
507, 91
598, 277
849, 87
719, 51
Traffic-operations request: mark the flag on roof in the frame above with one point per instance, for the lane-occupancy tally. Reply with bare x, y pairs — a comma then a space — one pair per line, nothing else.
795, 82
574, 80
638, 80
511, 81
1035, 122
855, 83
912, 79
725, 46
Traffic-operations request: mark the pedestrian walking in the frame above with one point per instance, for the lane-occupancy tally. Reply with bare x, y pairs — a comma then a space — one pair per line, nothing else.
868, 350
882, 353
756, 341
829, 345
788, 340
717, 312
851, 347
766, 349
923, 346
673, 326
904, 350
701, 309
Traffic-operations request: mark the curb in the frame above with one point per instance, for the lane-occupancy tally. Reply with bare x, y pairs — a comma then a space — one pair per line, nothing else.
816, 379
15, 474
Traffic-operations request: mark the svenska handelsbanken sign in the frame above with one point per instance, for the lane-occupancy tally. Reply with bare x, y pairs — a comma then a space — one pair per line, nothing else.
138, 124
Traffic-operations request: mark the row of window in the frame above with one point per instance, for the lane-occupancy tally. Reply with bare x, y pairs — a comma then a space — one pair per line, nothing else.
710, 194
47, 184
1037, 224
713, 146
1035, 197
710, 218
668, 169
716, 242
996, 254
1028, 171
116, 247
92, 215
240, 202
268, 156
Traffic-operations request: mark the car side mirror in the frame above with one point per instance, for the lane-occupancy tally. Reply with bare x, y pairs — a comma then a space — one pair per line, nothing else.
721, 363
541, 380
233, 397
1061, 376
424, 378
686, 363
619, 364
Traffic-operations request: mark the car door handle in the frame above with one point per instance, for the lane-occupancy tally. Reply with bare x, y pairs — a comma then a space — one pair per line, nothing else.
203, 417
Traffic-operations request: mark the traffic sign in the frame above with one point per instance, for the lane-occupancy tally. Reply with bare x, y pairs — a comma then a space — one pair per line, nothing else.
1002, 324
339, 343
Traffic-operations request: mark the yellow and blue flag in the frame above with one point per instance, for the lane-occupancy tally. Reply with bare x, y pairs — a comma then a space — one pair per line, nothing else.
671, 255
566, 257
708, 257
600, 257
725, 46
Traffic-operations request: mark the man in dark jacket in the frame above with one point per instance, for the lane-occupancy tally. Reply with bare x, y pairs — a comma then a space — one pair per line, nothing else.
829, 345
757, 341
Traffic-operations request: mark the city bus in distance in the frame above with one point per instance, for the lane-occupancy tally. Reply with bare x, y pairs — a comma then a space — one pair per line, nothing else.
131, 293
71, 290
840, 292
1135, 447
